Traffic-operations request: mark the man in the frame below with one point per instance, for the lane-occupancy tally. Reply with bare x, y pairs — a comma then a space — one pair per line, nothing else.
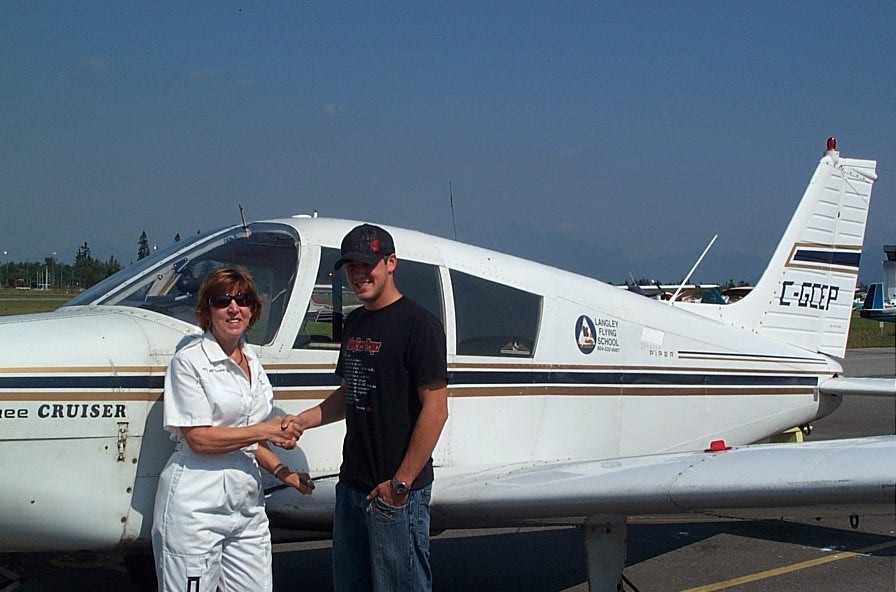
394, 399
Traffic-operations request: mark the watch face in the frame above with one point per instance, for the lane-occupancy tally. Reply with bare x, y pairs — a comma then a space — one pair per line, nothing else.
399, 487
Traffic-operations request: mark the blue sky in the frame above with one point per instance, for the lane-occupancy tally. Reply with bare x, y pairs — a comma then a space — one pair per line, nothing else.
604, 138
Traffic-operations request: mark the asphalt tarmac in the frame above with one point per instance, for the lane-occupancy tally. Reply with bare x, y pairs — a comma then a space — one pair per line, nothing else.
676, 554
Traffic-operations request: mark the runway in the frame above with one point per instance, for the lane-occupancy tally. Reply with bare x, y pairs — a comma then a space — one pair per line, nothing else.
676, 554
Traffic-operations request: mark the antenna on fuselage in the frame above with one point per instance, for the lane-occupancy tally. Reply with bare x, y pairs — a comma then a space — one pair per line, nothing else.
690, 273
243, 217
451, 201
634, 287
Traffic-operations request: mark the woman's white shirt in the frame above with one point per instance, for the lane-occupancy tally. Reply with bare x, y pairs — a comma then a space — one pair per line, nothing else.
204, 387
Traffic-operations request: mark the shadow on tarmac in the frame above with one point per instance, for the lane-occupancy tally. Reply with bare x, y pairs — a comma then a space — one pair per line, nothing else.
549, 559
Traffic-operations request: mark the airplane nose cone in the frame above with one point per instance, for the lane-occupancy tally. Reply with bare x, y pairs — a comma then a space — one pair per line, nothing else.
83, 336
80, 392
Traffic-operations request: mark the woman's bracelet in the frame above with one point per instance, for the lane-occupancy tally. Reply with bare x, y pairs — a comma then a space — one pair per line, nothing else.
279, 469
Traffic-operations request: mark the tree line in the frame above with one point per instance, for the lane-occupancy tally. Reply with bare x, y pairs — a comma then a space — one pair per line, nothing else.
85, 271
53, 274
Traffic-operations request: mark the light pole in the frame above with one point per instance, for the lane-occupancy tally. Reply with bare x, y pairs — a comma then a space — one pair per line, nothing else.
53, 270
6, 273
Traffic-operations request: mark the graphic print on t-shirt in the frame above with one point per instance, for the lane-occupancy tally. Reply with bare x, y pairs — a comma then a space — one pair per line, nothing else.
360, 378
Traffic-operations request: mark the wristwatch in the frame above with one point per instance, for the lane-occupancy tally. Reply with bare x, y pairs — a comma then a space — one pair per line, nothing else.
400, 487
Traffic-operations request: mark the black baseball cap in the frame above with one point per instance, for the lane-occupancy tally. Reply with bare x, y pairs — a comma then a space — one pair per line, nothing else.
365, 244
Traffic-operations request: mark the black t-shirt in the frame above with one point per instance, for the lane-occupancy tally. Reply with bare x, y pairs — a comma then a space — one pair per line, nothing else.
385, 355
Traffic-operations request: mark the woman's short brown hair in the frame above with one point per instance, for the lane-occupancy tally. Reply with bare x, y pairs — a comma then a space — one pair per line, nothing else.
226, 280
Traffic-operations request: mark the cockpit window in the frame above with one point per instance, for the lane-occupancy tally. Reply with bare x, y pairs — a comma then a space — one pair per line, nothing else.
172, 285
494, 319
322, 326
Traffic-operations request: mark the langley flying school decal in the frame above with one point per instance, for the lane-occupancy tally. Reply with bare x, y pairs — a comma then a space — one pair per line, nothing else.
597, 334
585, 334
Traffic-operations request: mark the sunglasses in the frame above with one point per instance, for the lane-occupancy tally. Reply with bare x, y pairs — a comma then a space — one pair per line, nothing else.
223, 300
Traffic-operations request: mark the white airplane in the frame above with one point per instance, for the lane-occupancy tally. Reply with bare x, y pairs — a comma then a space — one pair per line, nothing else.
569, 398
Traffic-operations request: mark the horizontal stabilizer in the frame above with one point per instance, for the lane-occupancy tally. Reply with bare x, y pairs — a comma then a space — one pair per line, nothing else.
869, 387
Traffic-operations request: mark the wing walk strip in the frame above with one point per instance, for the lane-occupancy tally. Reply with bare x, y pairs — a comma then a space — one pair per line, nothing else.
778, 571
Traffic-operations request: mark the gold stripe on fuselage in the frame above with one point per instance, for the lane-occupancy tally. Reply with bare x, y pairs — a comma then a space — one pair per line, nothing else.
116, 370
61, 396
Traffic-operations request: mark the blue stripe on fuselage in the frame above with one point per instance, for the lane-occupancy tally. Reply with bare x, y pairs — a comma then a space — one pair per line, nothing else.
63, 381
457, 378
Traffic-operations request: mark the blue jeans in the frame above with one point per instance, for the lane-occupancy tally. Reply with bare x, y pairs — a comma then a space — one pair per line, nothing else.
380, 548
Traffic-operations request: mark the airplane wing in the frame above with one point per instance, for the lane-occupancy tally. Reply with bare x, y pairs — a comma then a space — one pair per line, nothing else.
833, 472
869, 387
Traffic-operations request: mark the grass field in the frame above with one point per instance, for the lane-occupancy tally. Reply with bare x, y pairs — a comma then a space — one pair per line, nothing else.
865, 333
16, 302
862, 332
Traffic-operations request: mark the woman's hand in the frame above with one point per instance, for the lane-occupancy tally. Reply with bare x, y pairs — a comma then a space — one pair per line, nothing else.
282, 434
300, 481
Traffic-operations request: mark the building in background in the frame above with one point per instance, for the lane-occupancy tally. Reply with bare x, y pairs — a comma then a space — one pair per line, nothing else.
890, 273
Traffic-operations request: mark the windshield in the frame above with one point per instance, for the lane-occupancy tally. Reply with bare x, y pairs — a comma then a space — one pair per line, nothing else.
168, 283
130, 273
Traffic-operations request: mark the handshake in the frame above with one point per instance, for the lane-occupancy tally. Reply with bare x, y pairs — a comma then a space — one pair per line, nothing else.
284, 431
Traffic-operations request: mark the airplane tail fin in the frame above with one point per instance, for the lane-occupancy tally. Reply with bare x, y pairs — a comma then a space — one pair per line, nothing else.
805, 295
875, 297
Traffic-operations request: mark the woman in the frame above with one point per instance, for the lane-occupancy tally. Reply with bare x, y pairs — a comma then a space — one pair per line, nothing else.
210, 529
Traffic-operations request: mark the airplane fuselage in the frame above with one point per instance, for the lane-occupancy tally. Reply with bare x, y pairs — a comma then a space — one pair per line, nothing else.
545, 366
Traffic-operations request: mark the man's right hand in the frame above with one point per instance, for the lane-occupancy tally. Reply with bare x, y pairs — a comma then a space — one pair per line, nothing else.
288, 422
283, 433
